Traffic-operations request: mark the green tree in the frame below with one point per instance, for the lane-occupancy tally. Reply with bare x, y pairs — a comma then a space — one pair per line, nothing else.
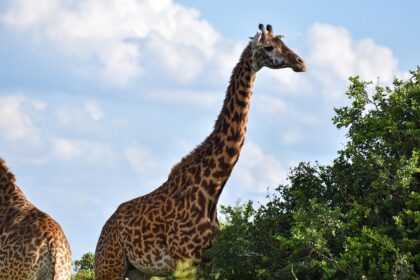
356, 218
84, 268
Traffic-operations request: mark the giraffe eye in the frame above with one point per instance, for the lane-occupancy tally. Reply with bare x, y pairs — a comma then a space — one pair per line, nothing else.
269, 48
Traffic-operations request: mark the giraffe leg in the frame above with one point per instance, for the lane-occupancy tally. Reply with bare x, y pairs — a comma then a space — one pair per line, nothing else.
191, 249
110, 264
110, 267
110, 260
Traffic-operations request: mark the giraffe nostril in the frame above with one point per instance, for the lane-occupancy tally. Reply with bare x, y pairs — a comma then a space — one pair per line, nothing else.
300, 65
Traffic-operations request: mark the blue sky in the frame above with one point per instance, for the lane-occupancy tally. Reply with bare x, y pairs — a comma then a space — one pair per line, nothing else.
98, 99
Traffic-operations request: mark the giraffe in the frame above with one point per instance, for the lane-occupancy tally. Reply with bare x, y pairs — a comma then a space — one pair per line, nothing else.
32, 245
147, 235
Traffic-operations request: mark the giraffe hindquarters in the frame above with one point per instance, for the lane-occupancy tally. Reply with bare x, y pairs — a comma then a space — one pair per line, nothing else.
110, 260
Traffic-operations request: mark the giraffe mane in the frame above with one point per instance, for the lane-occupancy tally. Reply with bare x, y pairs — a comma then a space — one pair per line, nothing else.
189, 157
6, 170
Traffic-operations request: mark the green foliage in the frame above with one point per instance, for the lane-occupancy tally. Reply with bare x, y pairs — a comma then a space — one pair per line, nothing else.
358, 218
84, 267
236, 252
185, 270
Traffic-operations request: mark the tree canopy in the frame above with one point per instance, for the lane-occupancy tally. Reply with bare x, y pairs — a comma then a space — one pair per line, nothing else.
84, 267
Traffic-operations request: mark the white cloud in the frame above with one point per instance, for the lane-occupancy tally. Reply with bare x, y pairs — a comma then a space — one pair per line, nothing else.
26, 127
82, 151
140, 159
25, 14
114, 37
93, 110
16, 119
118, 40
334, 56
66, 149
81, 116
256, 171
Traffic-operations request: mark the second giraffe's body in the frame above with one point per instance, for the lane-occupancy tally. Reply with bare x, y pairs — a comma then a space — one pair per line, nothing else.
147, 235
32, 245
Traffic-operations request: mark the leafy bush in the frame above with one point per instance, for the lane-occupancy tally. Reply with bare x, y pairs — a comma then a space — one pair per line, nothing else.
84, 267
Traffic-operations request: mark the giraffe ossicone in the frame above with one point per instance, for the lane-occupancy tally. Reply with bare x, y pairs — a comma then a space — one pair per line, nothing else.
147, 235
32, 245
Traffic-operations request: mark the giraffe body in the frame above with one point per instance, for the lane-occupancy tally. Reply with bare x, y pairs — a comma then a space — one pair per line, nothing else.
32, 245
147, 235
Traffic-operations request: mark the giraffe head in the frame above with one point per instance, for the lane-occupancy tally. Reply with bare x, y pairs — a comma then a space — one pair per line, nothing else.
270, 51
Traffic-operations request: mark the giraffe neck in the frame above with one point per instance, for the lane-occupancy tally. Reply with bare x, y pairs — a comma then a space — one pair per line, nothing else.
212, 162
230, 128
226, 140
